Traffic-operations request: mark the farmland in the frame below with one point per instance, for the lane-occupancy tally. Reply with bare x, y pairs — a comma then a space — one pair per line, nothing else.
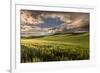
58, 47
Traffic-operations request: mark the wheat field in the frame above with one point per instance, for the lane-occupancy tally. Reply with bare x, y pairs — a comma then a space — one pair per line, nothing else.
59, 47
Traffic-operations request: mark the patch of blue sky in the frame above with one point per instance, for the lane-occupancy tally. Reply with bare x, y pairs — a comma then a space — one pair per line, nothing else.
51, 22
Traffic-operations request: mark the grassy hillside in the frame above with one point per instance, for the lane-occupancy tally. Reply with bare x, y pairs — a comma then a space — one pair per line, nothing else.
58, 47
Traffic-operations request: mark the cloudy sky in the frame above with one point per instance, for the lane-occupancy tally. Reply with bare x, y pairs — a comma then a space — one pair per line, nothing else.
43, 22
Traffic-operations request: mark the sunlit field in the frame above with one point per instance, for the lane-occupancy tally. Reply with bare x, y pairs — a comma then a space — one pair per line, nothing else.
58, 47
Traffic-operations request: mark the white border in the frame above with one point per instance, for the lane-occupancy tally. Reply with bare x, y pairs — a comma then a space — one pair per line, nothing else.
16, 66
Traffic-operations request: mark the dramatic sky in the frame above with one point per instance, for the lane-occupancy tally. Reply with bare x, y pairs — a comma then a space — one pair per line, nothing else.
44, 22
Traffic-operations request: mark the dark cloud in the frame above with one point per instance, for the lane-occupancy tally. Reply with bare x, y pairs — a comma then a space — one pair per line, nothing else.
58, 21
